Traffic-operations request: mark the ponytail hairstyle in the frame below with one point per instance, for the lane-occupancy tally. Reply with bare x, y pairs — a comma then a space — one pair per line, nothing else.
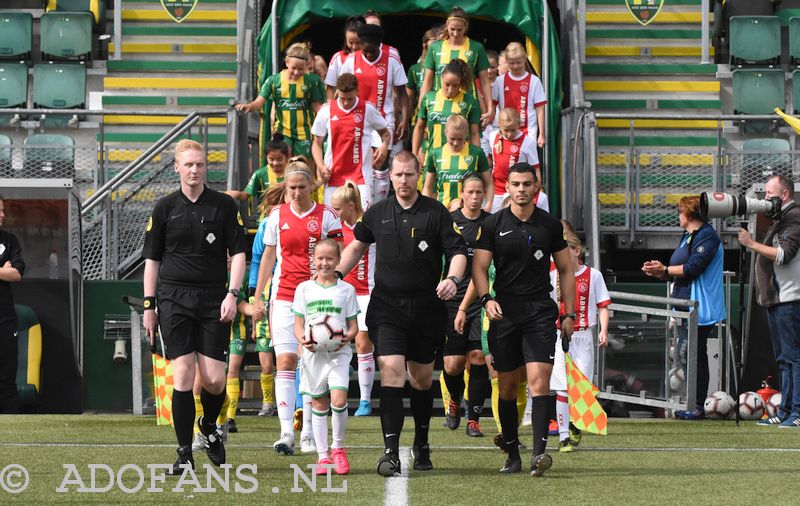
277, 144
352, 25
457, 13
459, 122
299, 163
349, 193
461, 69
299, 50
273, 196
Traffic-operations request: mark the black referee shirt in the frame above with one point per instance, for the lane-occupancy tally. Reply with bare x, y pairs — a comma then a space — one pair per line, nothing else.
521, 252
10, 251
192, 239
409, 244
470, 231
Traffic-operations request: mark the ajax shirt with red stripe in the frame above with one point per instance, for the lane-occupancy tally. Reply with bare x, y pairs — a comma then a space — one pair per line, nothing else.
362, 277
591, 294
294, 237
506, 153
524, 94
377, 79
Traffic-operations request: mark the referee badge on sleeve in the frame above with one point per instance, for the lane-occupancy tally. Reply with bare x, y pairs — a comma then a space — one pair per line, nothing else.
456, 228
239, 218
149, 224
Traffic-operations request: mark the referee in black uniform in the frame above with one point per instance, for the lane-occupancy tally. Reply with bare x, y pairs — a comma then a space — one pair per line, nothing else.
406, 314
189, 237
520, 240
12, 267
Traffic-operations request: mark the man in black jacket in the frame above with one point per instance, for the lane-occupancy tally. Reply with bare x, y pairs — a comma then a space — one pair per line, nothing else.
11, 269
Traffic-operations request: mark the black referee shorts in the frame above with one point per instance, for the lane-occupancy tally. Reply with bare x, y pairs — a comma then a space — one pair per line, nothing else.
410, 326
527, 333
462, 344
189, 321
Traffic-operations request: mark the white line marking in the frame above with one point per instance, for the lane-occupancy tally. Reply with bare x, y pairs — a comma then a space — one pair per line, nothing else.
397, 486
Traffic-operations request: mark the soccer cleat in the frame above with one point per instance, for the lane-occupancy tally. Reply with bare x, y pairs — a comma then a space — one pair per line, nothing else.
184, 458
422, 458
389, 464
474, 429
565, 446
339, 457
553, 429
792, 422
693, 414
297, 422
321, 463
452, 418
540, 463
512, 465
364, 408
266, 409
771, 422
285, 444
575, 435
198, 445
232, 427
215, 447
307, 445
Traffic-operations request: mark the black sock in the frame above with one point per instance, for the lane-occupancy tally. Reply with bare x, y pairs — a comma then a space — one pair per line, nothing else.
508, 422
478, 386
183, 416
422, 409
212, 404
391, 416
540, 419
455, 385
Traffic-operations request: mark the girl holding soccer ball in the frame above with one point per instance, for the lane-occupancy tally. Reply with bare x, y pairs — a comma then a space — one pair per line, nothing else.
325, 375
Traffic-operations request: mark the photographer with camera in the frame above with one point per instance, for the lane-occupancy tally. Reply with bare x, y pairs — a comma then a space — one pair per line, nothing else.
696, 270
777, 269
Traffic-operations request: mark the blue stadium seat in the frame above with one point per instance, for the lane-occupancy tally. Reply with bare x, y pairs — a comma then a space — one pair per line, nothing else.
66, 35
755, 40
15, 35
49, 156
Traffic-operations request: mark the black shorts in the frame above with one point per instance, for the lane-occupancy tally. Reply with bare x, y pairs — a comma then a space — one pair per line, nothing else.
527, 333
189, 321
410, 326
462, 344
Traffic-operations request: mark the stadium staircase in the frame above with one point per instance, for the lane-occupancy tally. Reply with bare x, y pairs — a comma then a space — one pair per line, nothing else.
632, 68
167, 67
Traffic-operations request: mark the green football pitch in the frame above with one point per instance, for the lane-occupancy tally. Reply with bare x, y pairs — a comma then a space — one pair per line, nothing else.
640, 461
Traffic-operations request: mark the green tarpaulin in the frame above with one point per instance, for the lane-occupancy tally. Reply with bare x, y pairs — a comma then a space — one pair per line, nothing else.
294, 16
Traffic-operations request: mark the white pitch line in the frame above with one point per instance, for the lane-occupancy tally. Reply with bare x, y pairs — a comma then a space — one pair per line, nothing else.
397, 486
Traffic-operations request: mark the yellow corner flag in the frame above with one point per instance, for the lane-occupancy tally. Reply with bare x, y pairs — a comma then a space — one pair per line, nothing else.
790, 120
163, 386
585, 412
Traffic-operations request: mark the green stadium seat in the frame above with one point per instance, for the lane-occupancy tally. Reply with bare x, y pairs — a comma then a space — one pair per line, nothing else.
768, 144
15, 35
5, 156
13, 90
49, 155
770, 157
59, 86
66, 34
787, 10
758, 91
755, 40
794, 40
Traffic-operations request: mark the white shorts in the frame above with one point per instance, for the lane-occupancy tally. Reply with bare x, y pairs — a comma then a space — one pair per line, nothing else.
322, 372
363, 303
364, 189
497, 203
281, 327
581, 349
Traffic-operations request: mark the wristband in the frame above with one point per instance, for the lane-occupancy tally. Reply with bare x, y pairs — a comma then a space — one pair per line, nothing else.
339, 274
454, 279
486, 298
149, 303
568, 315
234, 292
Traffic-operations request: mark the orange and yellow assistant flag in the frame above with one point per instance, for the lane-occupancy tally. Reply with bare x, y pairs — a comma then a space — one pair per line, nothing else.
790, 120
585, 412
163, 386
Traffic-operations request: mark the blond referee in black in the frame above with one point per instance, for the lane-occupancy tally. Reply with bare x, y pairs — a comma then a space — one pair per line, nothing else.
189, 237
406, 315
522, 332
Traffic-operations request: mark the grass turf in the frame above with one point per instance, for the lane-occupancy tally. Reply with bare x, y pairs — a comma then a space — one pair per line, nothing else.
641, 461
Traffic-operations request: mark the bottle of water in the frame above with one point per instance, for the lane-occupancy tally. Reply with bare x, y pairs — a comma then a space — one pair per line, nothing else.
53, 261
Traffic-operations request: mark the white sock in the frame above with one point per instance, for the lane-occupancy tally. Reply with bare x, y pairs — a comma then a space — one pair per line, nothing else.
366, 374
338, 424
562, 414
307, 430
285, 398
319, 421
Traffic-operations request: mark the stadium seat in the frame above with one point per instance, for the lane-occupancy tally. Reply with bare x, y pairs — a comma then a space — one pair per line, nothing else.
796, 91
794, 40
29, 356
96, 7
758, 91
66, 34
13, 89
15, 35
755, 40
59, 86
767, 144
787, 10
731, 8
50, 156
5, 156
770, 157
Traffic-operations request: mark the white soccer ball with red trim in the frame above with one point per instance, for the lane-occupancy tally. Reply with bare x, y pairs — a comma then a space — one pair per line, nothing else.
325, 332
751, 406
718, 406
774, 404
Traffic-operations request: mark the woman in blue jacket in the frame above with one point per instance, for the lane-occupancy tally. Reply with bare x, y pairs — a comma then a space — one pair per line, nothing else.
695, 268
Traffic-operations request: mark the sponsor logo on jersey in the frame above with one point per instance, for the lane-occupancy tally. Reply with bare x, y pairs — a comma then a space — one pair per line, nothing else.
285, 226
313, 226
523, 88
359, 71
286, 103
514, 148
357, 118
469, 159
334, 118
381, 70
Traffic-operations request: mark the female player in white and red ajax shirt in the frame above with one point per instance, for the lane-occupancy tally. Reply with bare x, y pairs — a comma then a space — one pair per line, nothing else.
347, 203
291, 233
348, 123
351, 43
509, 146
381, 78
591, 300
523, 91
